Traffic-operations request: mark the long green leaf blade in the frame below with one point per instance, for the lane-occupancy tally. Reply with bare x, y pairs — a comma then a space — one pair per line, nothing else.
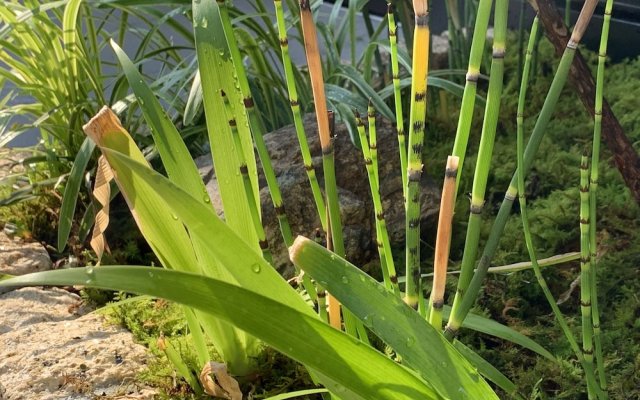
70, 196
361, 372
401, 327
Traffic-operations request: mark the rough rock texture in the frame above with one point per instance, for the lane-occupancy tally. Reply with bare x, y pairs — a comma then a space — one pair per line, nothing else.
50, 348
355, 203
19, 258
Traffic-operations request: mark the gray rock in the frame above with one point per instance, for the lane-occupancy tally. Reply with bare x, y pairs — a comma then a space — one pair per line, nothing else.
354, 193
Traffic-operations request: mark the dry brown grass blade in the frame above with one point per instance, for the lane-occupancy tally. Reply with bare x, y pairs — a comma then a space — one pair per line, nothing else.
224, 386
102, 195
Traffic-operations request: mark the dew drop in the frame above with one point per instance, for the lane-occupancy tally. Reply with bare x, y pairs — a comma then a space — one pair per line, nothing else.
206, 198
91, 274
175, 217
443, 364
345, 279
204, 23
256, 268
410, 341
362, 278
150, 274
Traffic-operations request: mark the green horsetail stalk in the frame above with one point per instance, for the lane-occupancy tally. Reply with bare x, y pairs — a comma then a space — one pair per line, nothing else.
334, 227
248, 188
297, 114
524, 213
256, 125
443, 242
593, 187
455, 321
485, 152
421, 40
382, 237
397, 98
585, 267
473, 73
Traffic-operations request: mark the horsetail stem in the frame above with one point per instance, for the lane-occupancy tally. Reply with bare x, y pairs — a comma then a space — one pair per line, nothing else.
256, 125
485, 151
310, 38
332, 302
397, 98
382, 238
297, 115
585, 267
539, 130
443, 241
593, 187
523, 207
421, 40
473, 73
322, 293
248, 188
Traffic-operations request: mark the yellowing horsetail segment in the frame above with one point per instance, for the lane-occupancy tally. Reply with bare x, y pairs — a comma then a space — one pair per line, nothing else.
395, 70
593, 187
443, 241
310, 38
297, 115
414, 160
473, 71
256, 125
485, 152
539, 130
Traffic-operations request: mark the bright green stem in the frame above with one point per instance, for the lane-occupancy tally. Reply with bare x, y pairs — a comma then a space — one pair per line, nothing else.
524, 214
256, 125
395, 70
384, 247
593, 187
248, 188
297, 115
416, 139
473, 72
455, 321
539, 129
567, 12
585, 268
485, 152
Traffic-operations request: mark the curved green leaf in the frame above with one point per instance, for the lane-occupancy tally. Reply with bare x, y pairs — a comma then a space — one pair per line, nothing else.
401, 327
70, 196
360, 371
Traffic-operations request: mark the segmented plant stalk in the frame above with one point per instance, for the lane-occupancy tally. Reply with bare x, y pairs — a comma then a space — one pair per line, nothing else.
593, 187
382, 236
421, 40
297, 115
473, 73
395, 71
539, 130
523, 202
443, 241
326, 143
248, 188
485, 151
256, 125
585, 267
